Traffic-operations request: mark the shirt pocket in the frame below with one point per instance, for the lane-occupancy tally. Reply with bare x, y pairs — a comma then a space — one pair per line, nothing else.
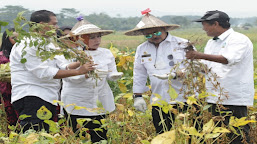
145, 60
179, 56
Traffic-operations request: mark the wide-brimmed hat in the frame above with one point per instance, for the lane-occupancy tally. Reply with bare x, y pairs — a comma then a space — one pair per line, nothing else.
149, 21
84, 27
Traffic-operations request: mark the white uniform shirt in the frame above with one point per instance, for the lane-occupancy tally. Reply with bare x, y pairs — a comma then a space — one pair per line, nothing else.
151, 60
84, 92
236, 77
34, 78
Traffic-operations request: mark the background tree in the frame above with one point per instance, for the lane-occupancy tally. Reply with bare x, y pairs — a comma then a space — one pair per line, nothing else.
9, 12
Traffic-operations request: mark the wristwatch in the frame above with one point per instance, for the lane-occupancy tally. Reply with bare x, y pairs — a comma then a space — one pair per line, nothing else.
136, 96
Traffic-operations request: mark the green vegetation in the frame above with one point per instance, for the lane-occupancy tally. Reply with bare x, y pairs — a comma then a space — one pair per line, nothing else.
125, 125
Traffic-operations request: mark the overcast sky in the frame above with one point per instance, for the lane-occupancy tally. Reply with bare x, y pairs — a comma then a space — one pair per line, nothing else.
126, 8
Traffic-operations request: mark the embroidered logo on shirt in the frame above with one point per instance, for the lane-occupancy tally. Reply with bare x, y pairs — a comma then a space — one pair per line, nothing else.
223, 45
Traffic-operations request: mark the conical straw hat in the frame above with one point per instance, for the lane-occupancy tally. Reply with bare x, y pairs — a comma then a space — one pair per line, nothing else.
85, 27
149, 21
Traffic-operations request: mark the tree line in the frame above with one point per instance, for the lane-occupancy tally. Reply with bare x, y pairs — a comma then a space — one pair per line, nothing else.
67, 17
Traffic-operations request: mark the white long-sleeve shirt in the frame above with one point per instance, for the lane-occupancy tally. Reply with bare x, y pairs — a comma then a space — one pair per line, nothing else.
34, 78
236, 77
151, 60
85, 92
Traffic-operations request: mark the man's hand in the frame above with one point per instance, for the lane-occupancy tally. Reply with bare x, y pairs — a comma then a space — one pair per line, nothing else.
139, 104
193, 54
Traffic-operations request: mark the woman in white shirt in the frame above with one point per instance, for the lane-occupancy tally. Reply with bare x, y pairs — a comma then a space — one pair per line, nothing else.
85, 91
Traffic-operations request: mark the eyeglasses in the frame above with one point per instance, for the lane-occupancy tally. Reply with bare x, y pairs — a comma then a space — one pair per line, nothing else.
170, 57
155, 33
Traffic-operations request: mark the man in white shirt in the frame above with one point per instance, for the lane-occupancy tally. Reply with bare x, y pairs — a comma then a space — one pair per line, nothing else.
36, 83
230, 55
155, 58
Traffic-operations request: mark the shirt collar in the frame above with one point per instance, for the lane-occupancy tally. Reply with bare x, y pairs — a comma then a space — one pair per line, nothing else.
225, 34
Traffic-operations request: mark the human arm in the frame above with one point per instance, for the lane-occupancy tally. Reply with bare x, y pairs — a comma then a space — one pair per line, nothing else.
113, 75
73, 72
139, 83
209, 57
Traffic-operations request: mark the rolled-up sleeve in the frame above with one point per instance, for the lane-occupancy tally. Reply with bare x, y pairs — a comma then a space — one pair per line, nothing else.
41, 69
235, 50
112, 65
139, 75
62, 63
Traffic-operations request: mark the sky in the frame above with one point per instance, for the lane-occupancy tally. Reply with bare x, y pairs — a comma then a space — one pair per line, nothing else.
130, 8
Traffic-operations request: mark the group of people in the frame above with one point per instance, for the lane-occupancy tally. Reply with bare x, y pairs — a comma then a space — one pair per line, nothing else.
35, 83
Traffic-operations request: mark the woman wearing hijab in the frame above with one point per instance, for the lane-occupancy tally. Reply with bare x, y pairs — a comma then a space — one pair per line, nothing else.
88, 92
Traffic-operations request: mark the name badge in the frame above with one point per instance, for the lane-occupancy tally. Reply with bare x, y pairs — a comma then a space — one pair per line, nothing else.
146, 55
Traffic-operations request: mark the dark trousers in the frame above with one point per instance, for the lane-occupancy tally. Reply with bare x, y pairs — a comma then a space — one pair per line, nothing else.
163, 122
96, 136
238, 112
29, 105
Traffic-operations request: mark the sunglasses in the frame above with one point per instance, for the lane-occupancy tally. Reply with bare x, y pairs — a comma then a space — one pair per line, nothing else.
170, 57
155, 33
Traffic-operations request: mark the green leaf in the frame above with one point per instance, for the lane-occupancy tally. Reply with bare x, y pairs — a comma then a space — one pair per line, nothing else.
37, 53
81, 121
24, 116
31, 44
145, 142
53, 127
36, 43
44, 114
213, 135
98, 129
208, 127
96, 122
206, 107
220, 130
99, 104
61, 121
23, 53
165, 138
172, 92
2, 23
23, 60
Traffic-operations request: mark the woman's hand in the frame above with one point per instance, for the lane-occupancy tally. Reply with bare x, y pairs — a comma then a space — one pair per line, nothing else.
85, 68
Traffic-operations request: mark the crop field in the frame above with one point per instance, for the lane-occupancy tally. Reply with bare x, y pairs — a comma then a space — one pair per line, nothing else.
126, 125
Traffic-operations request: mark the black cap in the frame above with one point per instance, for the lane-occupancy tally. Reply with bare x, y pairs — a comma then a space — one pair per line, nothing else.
214, 15
65, 27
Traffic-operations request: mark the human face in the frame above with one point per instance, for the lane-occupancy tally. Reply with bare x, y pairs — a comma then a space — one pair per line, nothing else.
210, 29
156, 38
12, 38
53, 22
66, 31
94, 41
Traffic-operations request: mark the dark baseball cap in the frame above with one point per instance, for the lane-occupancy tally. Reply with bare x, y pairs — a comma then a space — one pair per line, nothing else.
65, 27
214, 15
